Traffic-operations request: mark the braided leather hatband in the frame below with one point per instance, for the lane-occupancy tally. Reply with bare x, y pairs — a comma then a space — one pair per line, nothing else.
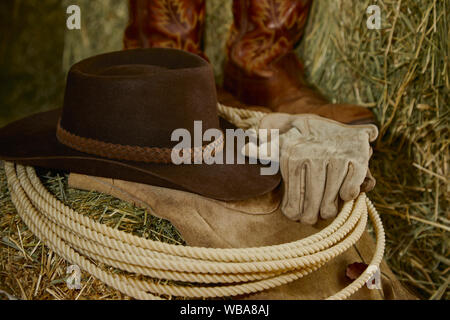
134, 153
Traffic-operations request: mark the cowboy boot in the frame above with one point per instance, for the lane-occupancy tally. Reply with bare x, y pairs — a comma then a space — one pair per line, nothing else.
177, 24
262, 68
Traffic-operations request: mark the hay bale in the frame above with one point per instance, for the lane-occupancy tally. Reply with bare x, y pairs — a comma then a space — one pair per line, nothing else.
45, 274
218, 22
102, 27
402, 73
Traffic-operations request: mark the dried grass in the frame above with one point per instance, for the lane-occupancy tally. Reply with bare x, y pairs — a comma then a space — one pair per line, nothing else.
31, 79
29, 270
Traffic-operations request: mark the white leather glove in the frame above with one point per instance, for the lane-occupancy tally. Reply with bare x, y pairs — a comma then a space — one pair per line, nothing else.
320, 161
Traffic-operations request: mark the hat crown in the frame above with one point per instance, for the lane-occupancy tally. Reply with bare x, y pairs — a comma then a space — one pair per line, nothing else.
139, 97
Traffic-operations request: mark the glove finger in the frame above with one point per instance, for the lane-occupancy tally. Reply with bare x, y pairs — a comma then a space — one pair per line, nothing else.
250, 150
336, 172
369, 182
284, 169
314, 190
281, 121
372, 131
263, 151
352, 184
293, 175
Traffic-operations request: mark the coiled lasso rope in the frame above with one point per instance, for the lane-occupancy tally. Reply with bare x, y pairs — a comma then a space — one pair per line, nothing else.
242, 118
205, 272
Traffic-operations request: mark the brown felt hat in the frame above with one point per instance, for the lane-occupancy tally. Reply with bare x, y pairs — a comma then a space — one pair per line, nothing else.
120, 110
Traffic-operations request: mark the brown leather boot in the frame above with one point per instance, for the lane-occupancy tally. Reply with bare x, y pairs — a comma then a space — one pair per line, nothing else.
262, 68
177, 24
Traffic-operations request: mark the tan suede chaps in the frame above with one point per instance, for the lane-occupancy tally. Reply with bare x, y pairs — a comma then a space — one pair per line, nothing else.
255, 222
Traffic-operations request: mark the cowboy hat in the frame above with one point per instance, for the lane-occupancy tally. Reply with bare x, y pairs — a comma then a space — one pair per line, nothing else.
120, 110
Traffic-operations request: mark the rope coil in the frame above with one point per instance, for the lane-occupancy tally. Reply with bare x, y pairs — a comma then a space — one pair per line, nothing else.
79, 239
215, 272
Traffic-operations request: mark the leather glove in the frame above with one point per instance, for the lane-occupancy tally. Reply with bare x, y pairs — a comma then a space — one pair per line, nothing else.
321, 160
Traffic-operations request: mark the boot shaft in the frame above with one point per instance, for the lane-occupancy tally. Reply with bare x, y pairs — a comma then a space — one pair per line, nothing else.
177, 24
264, 31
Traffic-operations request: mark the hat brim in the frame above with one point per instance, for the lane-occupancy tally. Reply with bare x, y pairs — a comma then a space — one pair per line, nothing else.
32, 141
